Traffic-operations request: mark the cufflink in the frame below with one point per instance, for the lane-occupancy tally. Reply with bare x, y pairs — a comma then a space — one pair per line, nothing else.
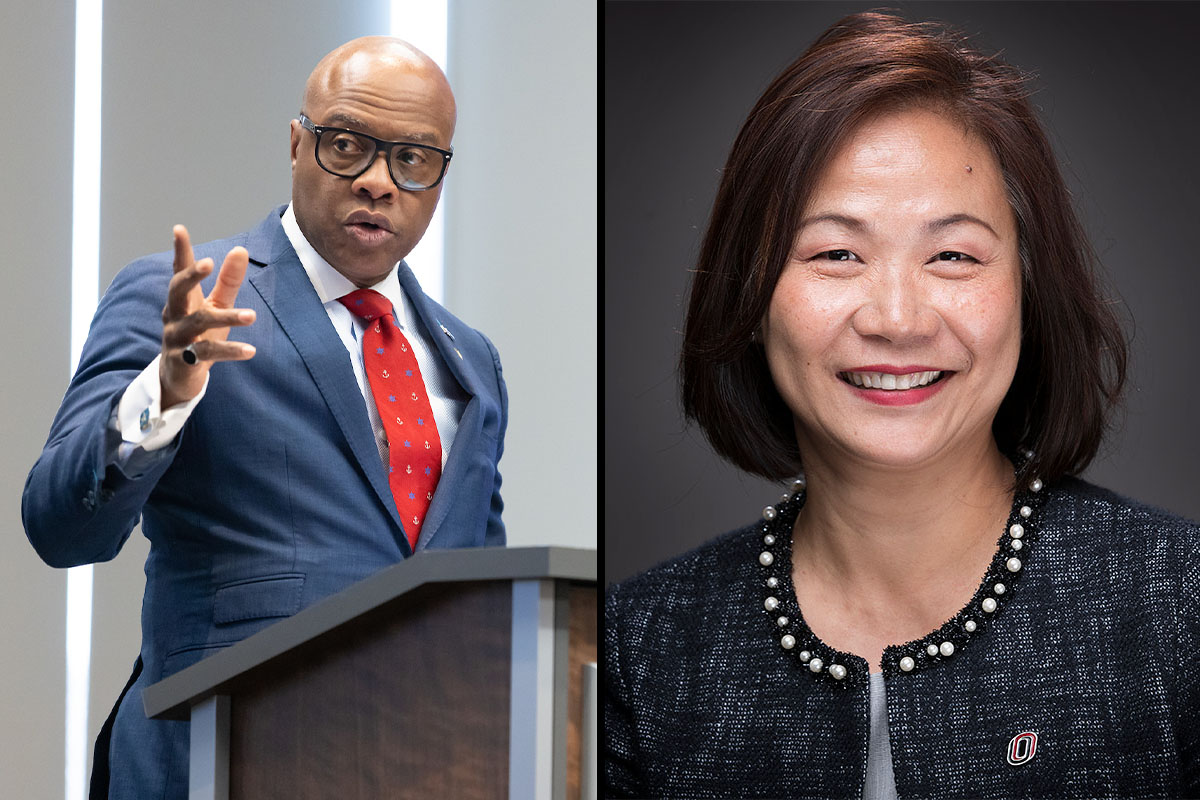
144, 420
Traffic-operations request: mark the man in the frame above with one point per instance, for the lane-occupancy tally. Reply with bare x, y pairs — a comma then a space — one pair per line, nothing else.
357, 428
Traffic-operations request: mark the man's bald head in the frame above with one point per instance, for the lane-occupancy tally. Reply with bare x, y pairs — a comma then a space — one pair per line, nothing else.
354, 60
390, 91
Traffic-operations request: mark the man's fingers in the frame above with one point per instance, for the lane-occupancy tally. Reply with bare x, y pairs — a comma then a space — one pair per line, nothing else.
180, 331
229, 279
183, 248
183, 292
209, 350
195, 328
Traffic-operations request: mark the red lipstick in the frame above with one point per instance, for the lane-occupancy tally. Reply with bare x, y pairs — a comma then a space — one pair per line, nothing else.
896, 397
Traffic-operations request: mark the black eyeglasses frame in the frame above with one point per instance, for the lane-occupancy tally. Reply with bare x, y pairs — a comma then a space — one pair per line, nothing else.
381, 146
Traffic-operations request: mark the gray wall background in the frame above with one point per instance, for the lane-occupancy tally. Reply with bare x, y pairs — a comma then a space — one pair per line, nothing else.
35, 228
1118, 88
197, 100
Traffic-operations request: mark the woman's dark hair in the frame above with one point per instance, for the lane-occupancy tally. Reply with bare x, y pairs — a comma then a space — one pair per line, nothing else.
1073, 352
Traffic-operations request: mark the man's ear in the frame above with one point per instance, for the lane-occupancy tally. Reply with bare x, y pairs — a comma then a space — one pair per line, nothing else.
296, 132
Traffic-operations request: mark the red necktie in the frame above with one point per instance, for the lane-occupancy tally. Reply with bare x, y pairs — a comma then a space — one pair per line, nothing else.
414, 447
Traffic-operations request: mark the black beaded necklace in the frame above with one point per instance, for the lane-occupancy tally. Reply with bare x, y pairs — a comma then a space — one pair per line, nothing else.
843, 669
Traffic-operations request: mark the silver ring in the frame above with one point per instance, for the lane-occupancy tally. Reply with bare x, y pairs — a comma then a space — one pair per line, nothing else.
189, 354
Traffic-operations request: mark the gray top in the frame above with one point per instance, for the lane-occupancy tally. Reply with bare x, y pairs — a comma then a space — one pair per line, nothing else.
880, 783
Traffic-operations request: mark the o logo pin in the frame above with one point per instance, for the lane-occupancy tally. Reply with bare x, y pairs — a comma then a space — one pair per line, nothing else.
1021, 748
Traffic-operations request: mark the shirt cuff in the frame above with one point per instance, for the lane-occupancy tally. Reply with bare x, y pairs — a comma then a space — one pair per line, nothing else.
140, 419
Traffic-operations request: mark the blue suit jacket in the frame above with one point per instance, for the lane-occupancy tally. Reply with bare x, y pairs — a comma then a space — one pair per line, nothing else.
272, 496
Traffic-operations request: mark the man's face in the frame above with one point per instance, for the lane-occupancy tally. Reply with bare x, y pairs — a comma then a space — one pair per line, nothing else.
362, 226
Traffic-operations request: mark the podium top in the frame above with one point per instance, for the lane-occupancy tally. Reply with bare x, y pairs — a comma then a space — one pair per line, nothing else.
172, 697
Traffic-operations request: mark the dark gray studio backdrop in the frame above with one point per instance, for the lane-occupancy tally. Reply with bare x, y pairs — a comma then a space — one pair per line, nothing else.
1118, 89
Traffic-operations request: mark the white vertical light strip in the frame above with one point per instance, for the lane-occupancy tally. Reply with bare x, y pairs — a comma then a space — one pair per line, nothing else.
79, 665
85, 206
85, 287
424, 24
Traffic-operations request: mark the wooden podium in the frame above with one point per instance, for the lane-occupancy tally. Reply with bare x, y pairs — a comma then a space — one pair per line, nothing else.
454, 674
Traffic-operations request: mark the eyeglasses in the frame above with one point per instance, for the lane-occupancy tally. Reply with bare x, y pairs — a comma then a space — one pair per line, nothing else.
348, 154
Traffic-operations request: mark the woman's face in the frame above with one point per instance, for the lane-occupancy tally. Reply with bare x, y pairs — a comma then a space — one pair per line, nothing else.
895, 328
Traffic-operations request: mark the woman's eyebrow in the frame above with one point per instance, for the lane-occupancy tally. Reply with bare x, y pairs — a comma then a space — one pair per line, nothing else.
941, 223
933, 226
853, 223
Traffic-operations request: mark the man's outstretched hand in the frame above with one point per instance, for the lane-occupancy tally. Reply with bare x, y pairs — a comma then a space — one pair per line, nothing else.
191, 318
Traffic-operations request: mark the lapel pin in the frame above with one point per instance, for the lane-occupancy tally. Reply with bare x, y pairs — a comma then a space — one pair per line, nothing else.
1021, 748
445, 330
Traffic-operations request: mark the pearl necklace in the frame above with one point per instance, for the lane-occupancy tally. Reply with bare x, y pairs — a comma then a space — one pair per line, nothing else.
968, 624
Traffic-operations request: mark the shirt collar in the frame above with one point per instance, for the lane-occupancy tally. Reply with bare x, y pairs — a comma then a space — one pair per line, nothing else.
331, 284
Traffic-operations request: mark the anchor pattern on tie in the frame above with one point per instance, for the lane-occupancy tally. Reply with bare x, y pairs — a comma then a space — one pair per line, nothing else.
395, 379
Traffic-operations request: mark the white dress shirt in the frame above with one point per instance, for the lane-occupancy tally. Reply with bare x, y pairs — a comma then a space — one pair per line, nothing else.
145, 427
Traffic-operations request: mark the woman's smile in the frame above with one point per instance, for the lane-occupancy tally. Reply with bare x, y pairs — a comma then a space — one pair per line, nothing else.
895, 386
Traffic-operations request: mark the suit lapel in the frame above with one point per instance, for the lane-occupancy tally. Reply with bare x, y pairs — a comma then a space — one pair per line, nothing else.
465, 443
466, 438
441, 335
288, 293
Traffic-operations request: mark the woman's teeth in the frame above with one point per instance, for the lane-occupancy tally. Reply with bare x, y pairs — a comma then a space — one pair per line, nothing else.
890, 382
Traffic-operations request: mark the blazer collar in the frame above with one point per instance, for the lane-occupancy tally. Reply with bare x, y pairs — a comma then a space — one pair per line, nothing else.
289, 294
267, 242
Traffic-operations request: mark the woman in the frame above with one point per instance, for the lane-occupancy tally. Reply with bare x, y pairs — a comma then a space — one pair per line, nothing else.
895, 300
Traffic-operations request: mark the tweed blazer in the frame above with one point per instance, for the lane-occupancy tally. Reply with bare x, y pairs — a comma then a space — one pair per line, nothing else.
1093, 646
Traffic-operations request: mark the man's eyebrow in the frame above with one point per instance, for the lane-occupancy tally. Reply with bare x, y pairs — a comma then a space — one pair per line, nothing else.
340, 118
419, 138
348, 120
